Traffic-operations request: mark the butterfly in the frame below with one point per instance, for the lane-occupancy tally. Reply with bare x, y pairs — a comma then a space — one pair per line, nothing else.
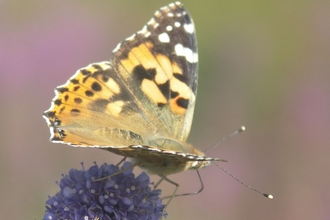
140, 103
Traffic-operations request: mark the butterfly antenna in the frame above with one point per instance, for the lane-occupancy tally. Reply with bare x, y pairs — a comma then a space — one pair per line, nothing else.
269, 196
241, 129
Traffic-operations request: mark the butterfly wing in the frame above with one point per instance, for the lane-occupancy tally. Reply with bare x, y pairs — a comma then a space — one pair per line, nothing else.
147, 89
159, 65
94, 109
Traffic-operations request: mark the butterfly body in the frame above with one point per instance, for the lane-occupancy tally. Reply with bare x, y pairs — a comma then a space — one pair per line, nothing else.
140, 103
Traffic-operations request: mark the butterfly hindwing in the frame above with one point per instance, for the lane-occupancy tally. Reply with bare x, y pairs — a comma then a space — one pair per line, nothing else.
94, 109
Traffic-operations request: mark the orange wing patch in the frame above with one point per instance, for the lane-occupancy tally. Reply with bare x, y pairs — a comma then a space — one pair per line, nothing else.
159, 77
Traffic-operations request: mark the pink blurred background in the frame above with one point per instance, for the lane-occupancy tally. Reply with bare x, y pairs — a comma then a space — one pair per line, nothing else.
263, 64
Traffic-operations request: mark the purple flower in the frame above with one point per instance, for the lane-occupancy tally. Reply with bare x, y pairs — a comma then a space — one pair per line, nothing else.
84, 195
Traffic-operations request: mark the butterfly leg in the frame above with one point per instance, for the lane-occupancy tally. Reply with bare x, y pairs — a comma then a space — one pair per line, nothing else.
173, 195
192, 193
158, 183
121, 161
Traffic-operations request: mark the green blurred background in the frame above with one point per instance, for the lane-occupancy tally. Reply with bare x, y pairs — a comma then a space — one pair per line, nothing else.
263, 64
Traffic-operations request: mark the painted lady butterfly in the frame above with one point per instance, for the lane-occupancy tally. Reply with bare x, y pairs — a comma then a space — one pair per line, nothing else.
139, 104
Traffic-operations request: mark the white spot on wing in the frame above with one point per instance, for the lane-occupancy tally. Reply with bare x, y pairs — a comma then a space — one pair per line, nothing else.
152, 21
130, 38
169, 28
190, 56
164, 38
177, 24
179, 50
116, 48
189, 28
144, 30
156, 25
163, 8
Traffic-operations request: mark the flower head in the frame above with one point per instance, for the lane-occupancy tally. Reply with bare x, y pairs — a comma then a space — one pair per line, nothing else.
85, 195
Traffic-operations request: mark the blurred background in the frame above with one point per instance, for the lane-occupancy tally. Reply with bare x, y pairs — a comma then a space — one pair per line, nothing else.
263, 64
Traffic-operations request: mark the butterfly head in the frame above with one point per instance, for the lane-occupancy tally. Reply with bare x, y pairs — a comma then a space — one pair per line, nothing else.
200, 161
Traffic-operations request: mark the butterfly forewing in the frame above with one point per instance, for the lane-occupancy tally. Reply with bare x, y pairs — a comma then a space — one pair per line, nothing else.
159, 64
